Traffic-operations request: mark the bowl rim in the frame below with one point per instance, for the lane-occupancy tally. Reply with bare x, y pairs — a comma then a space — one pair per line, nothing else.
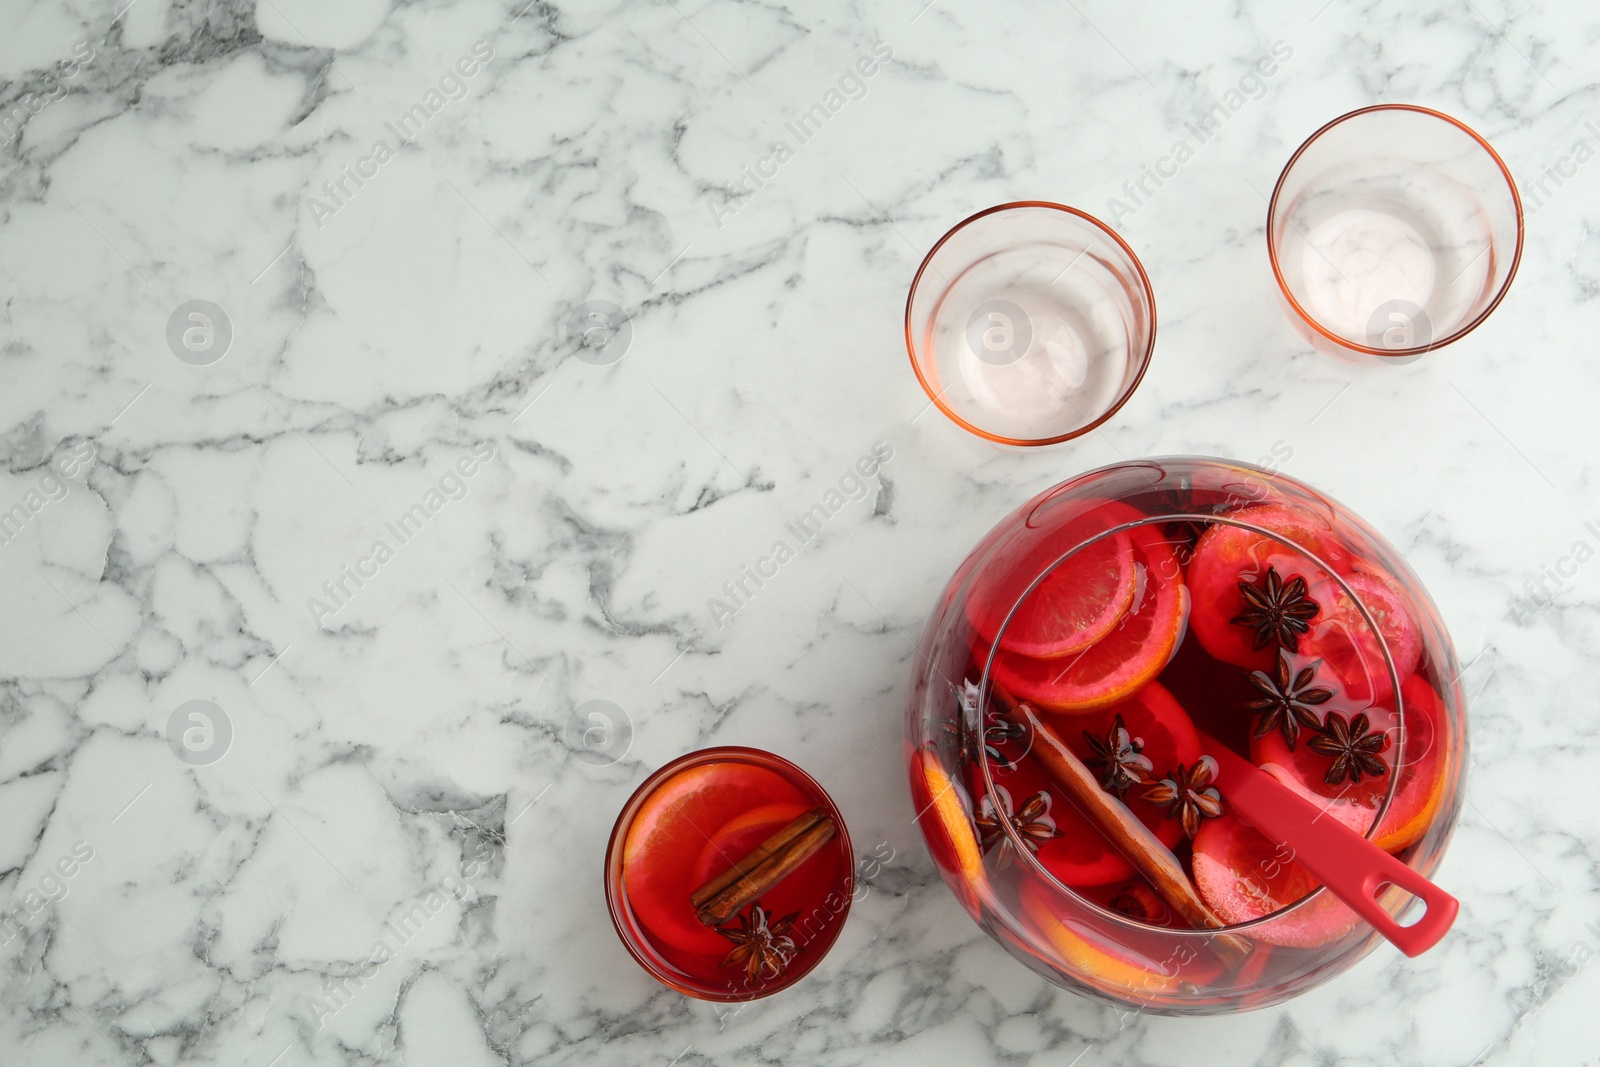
1415, 350
1144, 357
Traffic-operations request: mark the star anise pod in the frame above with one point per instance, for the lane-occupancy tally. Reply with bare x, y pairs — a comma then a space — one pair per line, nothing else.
763, 946
1182, 532
1353, 748
998, 733
1189, 795
993, 736
1118, 756
1278, 611
1032, 820
1286, 701
956, 730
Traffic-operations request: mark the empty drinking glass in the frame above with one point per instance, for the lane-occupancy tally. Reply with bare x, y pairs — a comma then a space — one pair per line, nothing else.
1393, 230
1030, 323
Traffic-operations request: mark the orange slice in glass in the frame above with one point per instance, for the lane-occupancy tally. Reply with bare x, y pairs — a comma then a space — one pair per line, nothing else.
1133, 652
946, 820
1421, 790
1092, 955
670, 832
1076, 604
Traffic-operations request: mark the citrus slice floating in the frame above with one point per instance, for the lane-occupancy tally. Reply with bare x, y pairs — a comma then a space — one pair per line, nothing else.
1227, 555
670, 832
1242, 876
946, 820
1383, 598
1076, 604
739, 836
1133, 652
1422, 774
1088, 950
1351, 651
1421, 790
1301, 526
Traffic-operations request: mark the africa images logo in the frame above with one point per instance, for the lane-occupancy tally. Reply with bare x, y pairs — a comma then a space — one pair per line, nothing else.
454, 484
1204, 127
15, 113
453, 87
805, 529
752, 177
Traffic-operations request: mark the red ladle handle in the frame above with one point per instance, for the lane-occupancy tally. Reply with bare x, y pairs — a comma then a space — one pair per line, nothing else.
1352, 867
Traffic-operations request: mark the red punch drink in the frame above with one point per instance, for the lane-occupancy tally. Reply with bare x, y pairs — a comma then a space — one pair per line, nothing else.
729, 874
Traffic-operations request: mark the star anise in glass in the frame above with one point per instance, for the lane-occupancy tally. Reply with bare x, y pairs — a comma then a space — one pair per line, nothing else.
1032, 821
1286, 701
1189, 795
1278, 611
1183, 533
997, 733
1354, 749
957, 731
1118, 756
762, 945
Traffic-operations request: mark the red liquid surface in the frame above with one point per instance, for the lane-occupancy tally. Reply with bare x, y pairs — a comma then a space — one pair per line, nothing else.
1177, 669
692, 825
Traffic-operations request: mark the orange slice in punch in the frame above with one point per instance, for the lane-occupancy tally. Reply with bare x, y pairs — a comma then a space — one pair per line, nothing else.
670, 832
1227, 555
740, 836
1093, 955
1421, 790
1243, 876
1076, 604
1133, 652
1387, 603
946, 820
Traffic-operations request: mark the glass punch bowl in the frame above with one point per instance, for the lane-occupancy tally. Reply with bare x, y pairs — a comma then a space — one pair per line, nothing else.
1115, 600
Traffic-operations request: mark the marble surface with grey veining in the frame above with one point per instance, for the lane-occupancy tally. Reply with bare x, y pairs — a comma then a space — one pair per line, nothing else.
242, 745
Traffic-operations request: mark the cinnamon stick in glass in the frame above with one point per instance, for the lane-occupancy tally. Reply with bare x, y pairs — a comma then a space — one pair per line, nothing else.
1130, 836
767, 864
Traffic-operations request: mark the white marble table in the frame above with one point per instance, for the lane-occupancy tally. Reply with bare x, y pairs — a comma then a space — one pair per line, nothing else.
397, 749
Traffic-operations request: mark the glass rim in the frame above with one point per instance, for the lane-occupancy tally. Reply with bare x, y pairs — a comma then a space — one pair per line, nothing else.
1415, 350
1026, 857
1031, 442
619, 910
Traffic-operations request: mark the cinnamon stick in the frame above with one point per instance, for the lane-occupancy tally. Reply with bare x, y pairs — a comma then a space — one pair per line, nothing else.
1130, 836
767, 864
